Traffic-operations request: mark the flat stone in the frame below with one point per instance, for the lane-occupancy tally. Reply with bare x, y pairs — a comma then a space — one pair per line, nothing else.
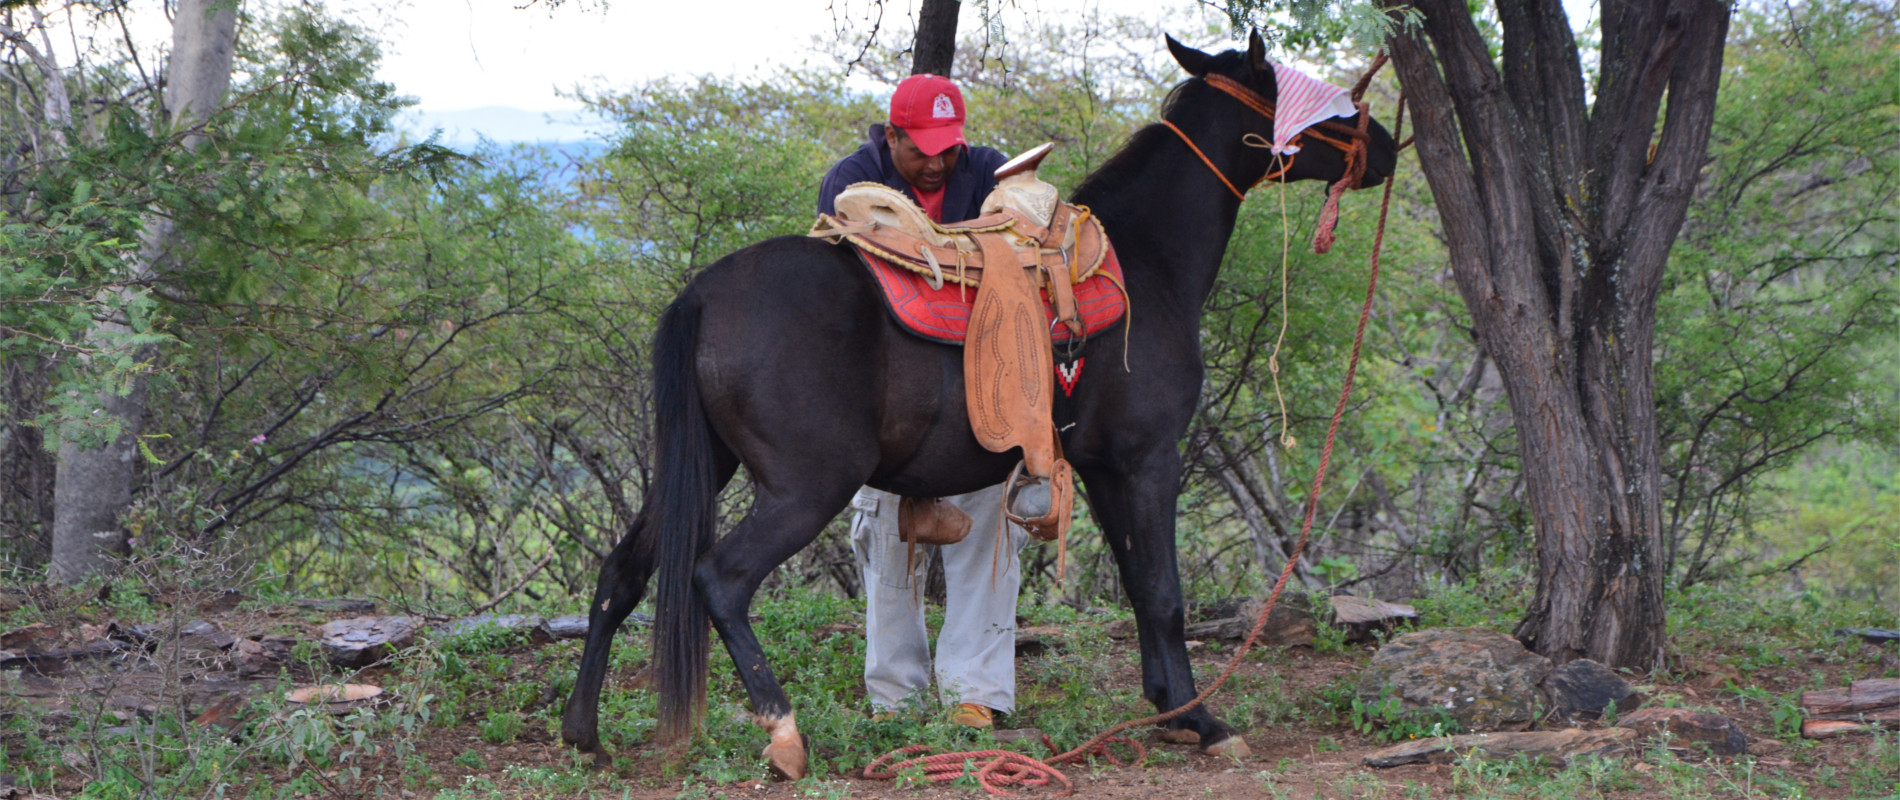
1366, 620
504, 622
556, 629
362, 641
336, 605
1584, 688
1870, 635
1353, 610
1484, 680
1718, 733
35, 637
202, 635
1557, 746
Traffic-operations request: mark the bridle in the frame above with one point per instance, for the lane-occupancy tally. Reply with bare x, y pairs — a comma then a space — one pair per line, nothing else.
1349, 140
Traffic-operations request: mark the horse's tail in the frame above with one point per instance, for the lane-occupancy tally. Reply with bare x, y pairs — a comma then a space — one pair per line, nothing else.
680, 513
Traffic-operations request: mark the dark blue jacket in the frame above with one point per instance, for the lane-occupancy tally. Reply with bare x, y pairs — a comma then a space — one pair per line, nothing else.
970, 180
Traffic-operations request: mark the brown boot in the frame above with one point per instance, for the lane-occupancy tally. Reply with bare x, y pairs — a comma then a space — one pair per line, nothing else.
971, 715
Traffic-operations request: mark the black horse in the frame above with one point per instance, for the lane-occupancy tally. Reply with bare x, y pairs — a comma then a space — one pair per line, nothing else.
781, 357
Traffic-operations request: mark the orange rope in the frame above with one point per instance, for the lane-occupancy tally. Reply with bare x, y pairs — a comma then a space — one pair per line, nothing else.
1218, 174
1204, 159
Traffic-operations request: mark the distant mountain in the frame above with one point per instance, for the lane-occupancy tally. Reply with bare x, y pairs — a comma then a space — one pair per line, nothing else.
465, 128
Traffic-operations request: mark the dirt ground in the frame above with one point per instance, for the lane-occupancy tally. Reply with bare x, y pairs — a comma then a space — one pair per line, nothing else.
1298, 761
1311, 758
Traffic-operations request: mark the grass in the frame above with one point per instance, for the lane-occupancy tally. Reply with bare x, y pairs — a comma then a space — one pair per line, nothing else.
469, 707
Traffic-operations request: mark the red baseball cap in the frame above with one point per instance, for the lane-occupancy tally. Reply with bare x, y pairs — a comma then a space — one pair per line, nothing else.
930, 109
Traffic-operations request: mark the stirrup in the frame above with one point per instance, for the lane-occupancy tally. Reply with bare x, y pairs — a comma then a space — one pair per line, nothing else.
1022, 492
1027, 497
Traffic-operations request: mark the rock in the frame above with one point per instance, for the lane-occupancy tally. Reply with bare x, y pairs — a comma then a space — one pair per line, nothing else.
1366, 619
1037, 639
1870, 635
1013, 735
194, 635
334, 698
35, 637
556, 629
202, 635
1583, 688
362, 641
1290, 625
504, 622
260, 657
1558, 746
1718, 733
1871, 694
1483, 679
57, 661
1865, 722
336, 605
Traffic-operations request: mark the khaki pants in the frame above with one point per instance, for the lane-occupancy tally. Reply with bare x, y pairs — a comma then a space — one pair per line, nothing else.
976, 650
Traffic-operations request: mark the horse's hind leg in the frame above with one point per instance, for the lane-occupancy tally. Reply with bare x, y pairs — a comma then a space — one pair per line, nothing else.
622, 584
779, 525
623, 580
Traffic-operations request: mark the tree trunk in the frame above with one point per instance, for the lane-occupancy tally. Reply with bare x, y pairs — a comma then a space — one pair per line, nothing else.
1559, 218
93, 486
935, 48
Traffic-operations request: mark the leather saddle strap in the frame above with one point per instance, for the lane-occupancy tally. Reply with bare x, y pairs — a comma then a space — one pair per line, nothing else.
1064, 294
1009, 365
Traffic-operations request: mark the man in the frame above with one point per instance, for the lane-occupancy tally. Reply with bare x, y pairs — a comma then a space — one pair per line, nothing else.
921, 152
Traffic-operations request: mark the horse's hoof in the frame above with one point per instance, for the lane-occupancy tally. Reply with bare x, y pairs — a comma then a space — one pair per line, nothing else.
1180, 736
1232, 747
602, 760
787, 758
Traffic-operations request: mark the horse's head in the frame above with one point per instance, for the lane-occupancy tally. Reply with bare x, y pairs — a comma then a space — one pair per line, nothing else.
1229, 78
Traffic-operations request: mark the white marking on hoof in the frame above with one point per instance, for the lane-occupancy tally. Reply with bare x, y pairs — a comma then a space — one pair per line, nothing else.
1232, 747
1180, 736
786, 753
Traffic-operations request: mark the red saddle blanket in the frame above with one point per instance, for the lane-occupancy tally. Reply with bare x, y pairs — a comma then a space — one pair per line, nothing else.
943, 315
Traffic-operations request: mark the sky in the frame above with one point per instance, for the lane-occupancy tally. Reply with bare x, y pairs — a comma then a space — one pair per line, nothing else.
507, 69
489, 68
463, 54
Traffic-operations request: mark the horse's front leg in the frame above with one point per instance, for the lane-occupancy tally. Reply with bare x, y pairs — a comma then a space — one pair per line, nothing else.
1136, 510
776, 529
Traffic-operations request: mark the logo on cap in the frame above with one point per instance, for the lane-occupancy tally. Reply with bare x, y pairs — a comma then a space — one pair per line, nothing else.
942, 109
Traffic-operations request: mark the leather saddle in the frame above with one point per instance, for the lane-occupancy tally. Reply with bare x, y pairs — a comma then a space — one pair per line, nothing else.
1060, 243
1025, 241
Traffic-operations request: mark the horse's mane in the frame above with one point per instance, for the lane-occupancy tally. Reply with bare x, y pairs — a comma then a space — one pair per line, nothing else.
1113, 171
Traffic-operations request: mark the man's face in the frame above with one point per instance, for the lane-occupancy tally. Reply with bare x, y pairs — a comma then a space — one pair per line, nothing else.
923, 173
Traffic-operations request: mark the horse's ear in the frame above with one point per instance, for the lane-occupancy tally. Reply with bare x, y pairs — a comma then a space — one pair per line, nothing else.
1190, 59
1257, 54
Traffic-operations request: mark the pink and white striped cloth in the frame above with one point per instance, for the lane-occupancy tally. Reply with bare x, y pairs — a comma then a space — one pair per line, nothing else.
1303, 102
